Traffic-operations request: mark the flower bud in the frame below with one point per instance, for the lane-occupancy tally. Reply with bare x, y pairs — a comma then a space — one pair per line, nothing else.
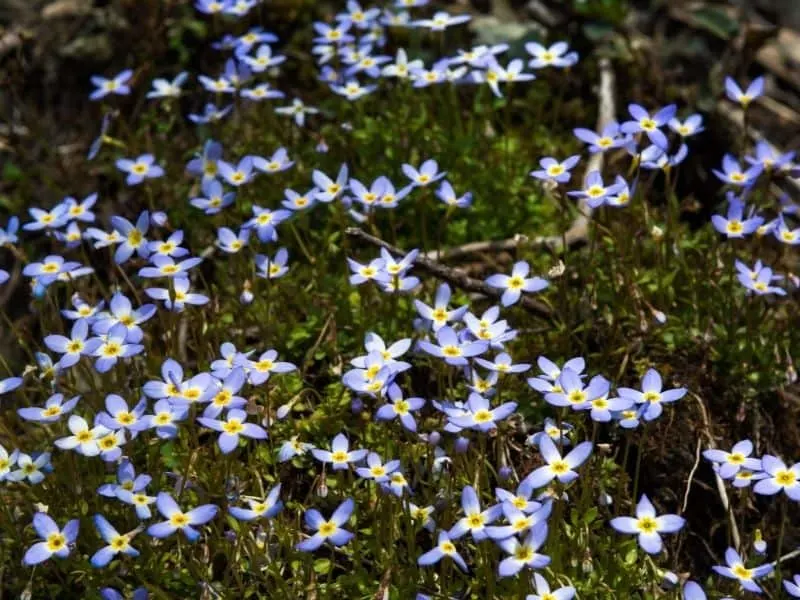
462, 445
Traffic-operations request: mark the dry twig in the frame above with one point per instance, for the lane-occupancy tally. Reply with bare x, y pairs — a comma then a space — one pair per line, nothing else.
578, 230
453, 276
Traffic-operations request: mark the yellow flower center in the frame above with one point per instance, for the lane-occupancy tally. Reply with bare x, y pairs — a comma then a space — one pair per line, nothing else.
742, 572
451, 351
83, 436
785, 477
734, 226
127, 485
482, 416
179, 520
737, 177
605, 142
120, 543
163, 418
519, 502
596, 191
169, 269
74, 346
50, 267
111, 349
648, 124
555, 170
340, 456
447, 548
52, 411
264, 365
222, 398
139, 168
737, 458
328, 528
577, 397
647, 525
559, 467
377, 471
233, 427
523, 554
652, 397
56, 542
401, 407
108, 442
516, 283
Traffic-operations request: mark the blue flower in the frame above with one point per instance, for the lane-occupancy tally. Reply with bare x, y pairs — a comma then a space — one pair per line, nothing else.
451, 349
118, 415
376, 469
524, 553
165, 415
595, 190
553, 170
648, 526
475, 519
427, 173
479, 415
327, 530
519, 521
735, 569
373, 271
73, 347
265, 221
164, 88
52, 411
139, 593
127, 481
341, 455
47, 271
440, 314
444, 547
560, 435
139, 169
272, 268
692, 125
517, 283
328, 189
178, 520
293, 447
607, 139
117, 543
56, 217
298, 111
441, 21
649, 124
165, 266
279, 161
232, 428
116, 85
780, 477
400, 408
557, 55
730, 463
30, 468
114, 347
267, 508
210, 114
571, 391
735, 93
447, 195
792, 588
734, 225
84, 440
652, 395
557, 467
733, 174
56, 541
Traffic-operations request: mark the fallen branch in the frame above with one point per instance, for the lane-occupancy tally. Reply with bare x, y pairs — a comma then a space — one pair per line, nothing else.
453, 276
579, 229
723, 494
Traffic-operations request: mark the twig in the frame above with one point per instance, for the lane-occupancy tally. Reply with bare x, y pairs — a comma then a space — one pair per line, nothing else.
578, 230
723, 494
453, 276
691, 476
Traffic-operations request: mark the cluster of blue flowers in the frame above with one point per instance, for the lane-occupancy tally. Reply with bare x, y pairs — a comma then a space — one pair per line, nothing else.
113, 334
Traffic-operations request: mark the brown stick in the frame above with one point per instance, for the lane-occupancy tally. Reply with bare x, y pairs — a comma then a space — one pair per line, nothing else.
453, 276
578, 230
